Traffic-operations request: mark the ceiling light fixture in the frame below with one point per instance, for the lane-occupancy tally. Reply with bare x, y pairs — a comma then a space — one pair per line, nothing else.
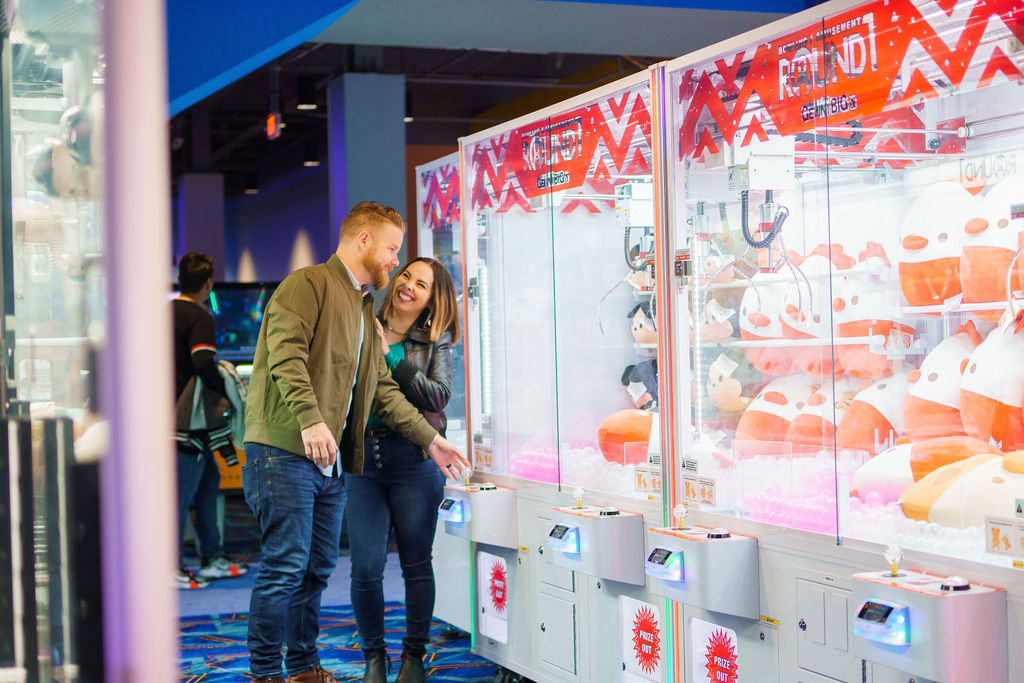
311, 155
305, 88
252, 185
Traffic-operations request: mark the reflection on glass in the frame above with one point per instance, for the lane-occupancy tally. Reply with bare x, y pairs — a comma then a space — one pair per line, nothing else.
563, 336
54, 289
855, 213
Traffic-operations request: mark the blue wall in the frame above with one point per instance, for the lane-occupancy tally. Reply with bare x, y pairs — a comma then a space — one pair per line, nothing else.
267, 224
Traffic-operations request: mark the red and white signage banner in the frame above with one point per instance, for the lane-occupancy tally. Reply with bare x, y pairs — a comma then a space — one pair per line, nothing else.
713, 653
492, 596
587, 149
438, 194
643, 638
884, 56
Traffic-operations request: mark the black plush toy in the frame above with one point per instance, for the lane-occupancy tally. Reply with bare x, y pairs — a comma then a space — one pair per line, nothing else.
641, 381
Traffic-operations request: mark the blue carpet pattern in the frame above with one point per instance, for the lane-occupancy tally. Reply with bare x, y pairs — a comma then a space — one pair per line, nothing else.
213, 648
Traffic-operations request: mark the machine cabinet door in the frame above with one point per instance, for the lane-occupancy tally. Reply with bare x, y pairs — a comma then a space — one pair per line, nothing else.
823, 637
556, 631
547, 572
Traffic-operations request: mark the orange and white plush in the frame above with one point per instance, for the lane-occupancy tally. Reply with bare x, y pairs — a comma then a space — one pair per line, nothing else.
868, 303
623, 436
806, 309
814, 426
760, 309
989, 244
769, 415
963, 493
992, 388
931, 239
932, 408
892, 472
874, 419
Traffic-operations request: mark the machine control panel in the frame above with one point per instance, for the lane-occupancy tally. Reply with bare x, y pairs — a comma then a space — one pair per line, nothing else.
564, 538
451, 510
883, 622
665, 564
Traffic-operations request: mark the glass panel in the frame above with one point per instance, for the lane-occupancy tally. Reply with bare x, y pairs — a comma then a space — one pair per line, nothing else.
510, 307
559, 255
440, 236
750, 206
54, 281
880, 381
602, 211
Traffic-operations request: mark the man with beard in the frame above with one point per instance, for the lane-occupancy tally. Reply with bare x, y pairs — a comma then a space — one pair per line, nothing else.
318, 372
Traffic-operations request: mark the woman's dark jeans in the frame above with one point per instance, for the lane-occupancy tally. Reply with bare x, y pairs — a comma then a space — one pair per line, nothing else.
400, 489
299, 511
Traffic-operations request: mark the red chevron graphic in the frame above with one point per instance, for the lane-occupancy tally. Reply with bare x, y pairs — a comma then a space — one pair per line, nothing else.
440, 192
586, 149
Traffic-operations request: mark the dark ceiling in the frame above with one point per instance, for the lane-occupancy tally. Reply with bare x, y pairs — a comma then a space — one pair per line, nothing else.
449, 94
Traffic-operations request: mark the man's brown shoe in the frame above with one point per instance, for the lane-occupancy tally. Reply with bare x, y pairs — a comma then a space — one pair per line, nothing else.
317, 675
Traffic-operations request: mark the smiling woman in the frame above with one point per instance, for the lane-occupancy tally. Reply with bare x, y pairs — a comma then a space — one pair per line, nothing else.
399, 487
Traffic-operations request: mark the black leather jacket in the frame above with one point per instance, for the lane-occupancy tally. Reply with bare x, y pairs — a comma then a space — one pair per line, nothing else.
425, 376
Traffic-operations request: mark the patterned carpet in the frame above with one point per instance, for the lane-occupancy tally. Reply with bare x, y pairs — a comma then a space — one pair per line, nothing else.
213, 648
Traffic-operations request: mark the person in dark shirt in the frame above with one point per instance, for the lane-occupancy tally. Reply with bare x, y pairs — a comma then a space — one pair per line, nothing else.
198, 475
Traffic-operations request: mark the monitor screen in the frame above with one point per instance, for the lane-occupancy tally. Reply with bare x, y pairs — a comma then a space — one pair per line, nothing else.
558, 531
875, 611
237, 309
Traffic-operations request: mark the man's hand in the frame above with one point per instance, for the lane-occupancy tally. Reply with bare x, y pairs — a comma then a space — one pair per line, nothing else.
380, 333
448, 458
319, 444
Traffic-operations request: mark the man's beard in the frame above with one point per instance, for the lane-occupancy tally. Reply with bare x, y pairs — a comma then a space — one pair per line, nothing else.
377, 270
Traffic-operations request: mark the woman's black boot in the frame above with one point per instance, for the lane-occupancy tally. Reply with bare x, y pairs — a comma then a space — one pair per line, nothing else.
411, 670
375, 666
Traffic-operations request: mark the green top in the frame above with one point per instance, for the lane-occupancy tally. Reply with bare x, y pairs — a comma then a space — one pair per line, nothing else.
395, 355
305, 366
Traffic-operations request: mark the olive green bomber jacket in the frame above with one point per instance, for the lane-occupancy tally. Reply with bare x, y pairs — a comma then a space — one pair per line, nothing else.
304, 364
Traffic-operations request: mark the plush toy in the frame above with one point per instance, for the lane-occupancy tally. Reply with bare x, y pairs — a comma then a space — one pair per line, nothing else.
868, 302
932, 407
815, 424
760, 311
641, 382
874, 419
716, 323
766, 420
645, 331
989, 244
731, 385
805, 305
963, 493
890, 473
992, 388
623, 436
930, 243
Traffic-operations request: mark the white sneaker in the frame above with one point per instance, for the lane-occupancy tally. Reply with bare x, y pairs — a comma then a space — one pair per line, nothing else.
221, 568
186, 580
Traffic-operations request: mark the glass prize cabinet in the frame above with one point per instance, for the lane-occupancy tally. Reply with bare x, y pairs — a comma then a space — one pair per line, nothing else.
562, 353
561, 313
851, 194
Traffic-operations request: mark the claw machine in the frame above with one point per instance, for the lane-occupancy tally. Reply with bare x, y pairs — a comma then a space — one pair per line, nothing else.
439, 236
847, 187
560, 228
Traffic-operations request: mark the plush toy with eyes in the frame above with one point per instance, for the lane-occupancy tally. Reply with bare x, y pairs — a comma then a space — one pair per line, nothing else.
760, 320
874, 420
773, 409
990, 240
992, 389
645, 331
868, 303
931, 240
932, 406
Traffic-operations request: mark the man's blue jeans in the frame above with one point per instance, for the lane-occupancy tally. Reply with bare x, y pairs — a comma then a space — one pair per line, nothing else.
399, 489
299, 511
199, 479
